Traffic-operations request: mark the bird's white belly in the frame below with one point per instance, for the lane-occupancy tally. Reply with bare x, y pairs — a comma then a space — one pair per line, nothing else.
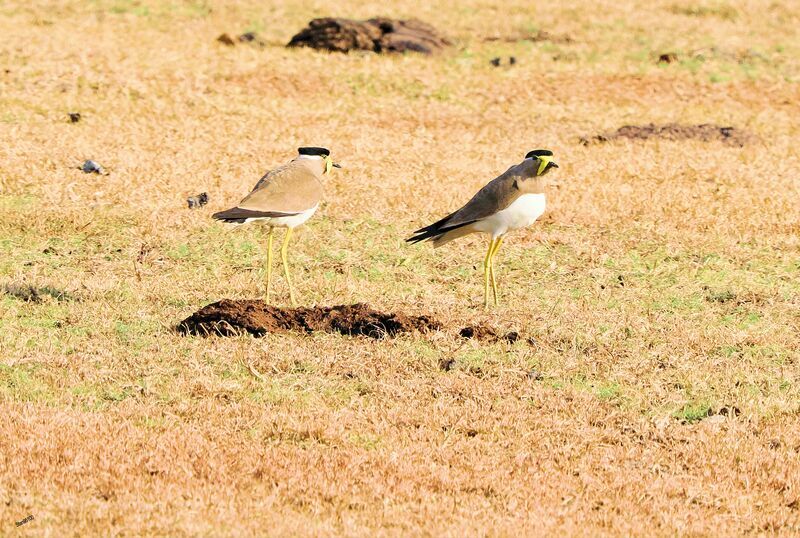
287, 222
521, 213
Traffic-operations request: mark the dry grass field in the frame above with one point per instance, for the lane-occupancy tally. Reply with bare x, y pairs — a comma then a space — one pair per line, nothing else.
660, 395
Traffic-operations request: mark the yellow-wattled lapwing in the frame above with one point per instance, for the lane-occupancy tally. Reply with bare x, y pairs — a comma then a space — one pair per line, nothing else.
285, 197
511, 201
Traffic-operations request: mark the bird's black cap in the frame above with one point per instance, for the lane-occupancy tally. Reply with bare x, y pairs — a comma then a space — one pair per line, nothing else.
324, 152
539, 153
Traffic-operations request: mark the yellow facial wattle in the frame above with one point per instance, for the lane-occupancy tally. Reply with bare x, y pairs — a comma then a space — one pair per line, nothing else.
543, 162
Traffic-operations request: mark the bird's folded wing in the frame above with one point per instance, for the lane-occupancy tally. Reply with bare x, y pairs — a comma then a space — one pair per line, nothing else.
237, 214
497, 195
290, 189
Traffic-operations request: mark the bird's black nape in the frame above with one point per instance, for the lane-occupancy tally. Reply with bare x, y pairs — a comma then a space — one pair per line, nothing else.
539, 153
313, 150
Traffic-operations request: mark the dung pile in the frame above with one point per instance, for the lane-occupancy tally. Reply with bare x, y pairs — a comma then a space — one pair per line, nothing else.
376, 35
705, 132
230, 317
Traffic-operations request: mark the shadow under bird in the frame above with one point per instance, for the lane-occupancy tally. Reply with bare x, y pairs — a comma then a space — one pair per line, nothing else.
285, 197
511, 201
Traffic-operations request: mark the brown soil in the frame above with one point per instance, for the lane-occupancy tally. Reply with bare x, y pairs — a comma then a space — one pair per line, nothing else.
377, 35
230, 317
225, 39
487, 332
667, 58
672, 131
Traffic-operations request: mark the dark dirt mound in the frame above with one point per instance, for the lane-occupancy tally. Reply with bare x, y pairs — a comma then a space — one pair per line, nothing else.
230, 317
486, 332
673, 131
34, 294
377, 35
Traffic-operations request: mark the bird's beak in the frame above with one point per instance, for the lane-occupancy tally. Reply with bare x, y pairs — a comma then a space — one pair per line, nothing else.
337, 165
554, 165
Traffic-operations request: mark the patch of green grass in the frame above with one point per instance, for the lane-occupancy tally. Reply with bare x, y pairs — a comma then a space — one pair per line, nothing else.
442, 93
341, 393
693, 412
284, 391
365, 440
758, 354
195, 9
20, 383
474, 361
722, 11
719, 77
741, 319
152, 423
121, 7
255, 25
692, 64
98, 395
604, 390
20, 202
608, 391
156, 10
136, 334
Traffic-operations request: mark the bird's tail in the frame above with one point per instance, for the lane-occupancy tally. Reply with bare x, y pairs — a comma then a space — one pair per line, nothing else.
440, 231
423, 236
430, 231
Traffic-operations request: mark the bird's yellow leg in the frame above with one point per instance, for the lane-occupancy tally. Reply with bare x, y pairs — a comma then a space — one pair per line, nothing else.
497, 244
284, 251
269, 262
487, 273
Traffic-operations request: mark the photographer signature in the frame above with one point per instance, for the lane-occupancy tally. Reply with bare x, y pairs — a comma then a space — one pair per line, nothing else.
23, 521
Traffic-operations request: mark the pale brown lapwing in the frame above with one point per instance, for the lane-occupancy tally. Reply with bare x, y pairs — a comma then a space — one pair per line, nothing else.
285, 197
511, 201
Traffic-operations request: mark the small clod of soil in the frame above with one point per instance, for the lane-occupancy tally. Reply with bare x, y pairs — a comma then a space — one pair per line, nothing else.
668, 58
252, 38
706, 132
247, 37
498, 62
225, 39
729, 411
377, 35
91, 167
447, 364
197, 201
231, 317
488, 333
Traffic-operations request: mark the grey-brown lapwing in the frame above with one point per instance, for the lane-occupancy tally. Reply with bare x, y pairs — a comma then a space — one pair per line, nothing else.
511, 201
285, 197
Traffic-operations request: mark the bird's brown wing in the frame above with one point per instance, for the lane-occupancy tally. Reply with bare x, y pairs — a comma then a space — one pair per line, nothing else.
289, 189
283, 192
495, 196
